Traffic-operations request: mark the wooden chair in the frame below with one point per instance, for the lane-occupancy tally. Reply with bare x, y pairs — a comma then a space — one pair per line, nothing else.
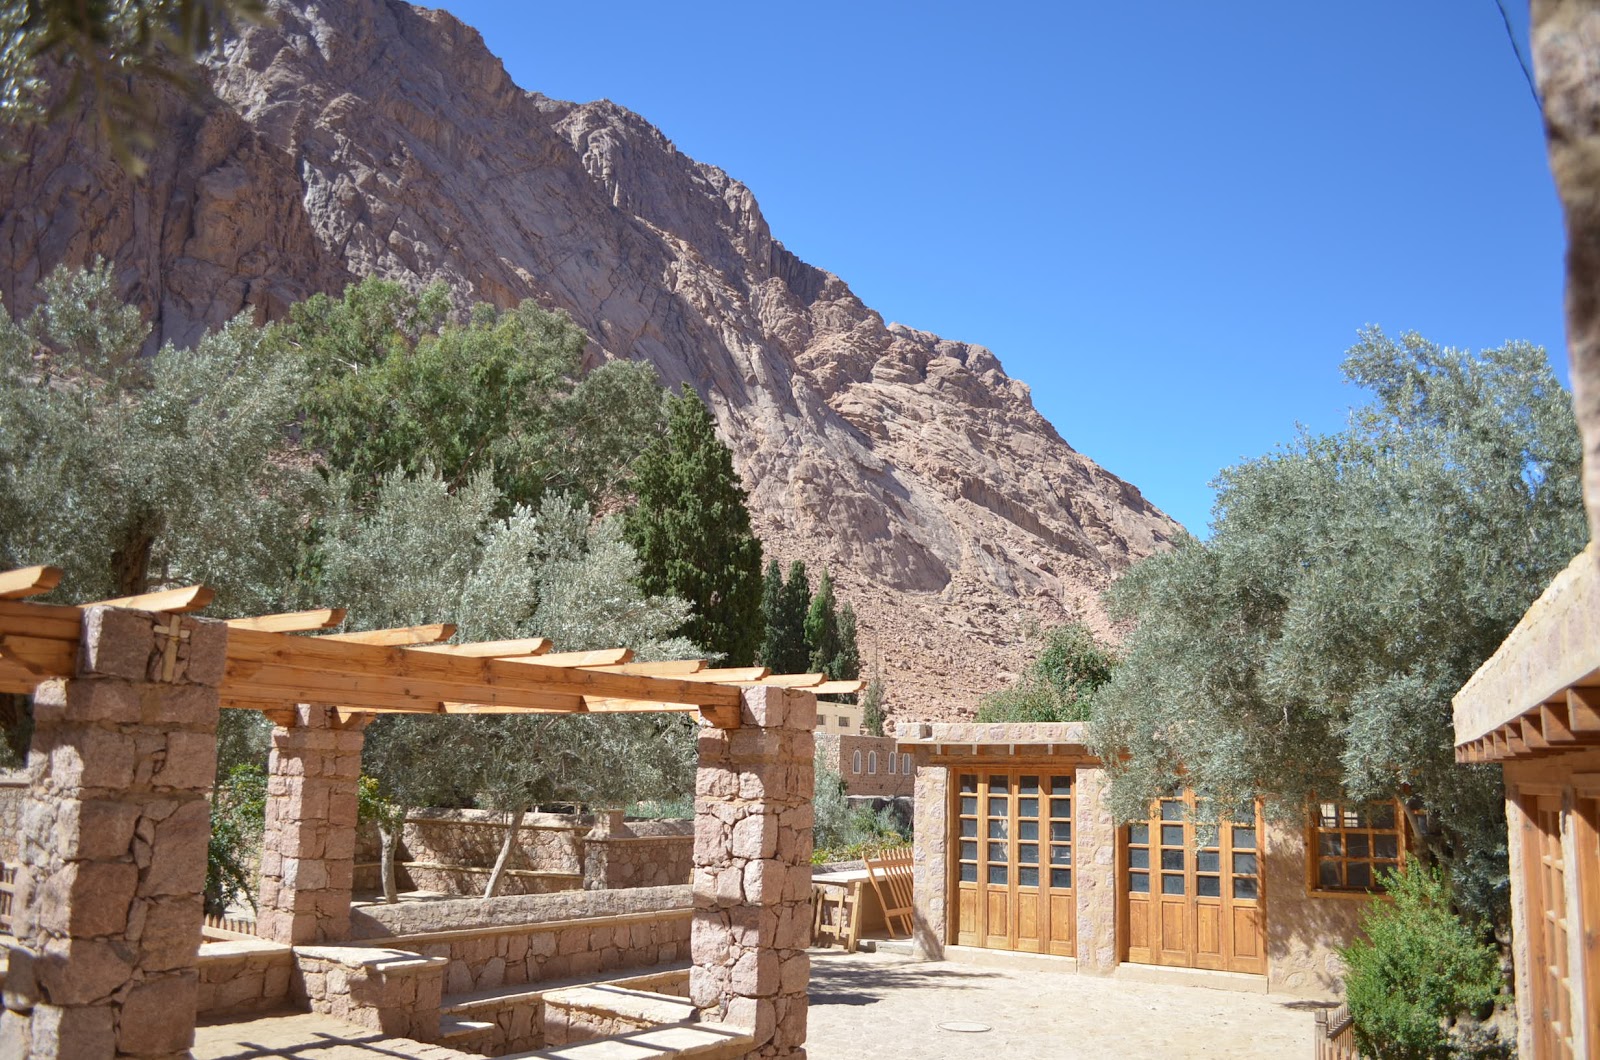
890, 872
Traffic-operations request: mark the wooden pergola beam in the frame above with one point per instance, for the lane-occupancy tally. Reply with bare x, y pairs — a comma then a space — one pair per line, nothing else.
28, 581
729, 675
491, 649
429, 634
169, 601
836, 688
292, 621
598, 657
675, 668
806, 681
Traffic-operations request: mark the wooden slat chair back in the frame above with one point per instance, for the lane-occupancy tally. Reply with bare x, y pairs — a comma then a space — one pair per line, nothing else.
890, 872
834, 917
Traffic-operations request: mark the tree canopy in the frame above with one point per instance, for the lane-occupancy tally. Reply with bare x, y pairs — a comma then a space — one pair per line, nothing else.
1351, 584
691, 528
1060, 684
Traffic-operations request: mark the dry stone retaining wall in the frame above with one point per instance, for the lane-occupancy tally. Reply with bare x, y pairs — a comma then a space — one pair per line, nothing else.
239, 977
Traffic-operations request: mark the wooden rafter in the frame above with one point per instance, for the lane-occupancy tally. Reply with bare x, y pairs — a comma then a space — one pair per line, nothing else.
292, 621
429, 634
677, 668
171, 601
28, 581
805, 681
491, 649
729, 674
599, 657
836, 688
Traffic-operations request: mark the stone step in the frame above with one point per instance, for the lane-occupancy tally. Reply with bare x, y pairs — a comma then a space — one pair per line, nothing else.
453, 1031
697, 1041
585, 1013
650, 978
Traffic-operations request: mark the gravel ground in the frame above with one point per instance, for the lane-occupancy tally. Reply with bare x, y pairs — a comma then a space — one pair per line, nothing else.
871, 1005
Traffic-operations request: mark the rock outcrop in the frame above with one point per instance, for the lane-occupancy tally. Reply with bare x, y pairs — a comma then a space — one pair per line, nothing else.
372, 137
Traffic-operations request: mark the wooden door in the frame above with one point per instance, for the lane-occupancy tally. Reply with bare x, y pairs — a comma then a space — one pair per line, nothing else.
1191, 885
1012, 839
1545, 865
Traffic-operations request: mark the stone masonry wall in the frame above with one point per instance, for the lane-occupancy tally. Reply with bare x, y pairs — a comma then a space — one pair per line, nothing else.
13, 793
930, 870
113, 843
839, 751
1094, 876
752, 875
239, 977
1304, 930
418, 918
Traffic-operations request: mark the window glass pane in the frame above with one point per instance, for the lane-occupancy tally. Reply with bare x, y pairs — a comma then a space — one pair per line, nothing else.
1139, 883
1328, 815
1355, 817
1028, 830
999, 806
969, 873
1207, 836
1027, 807
969, 782
1244, 864
1063, 878
969, 851
997, 852
1356, 845
998, 875
1172, 859
1328, 874
1203, 810
1061, 785
1171, 884
998, 783
1061, 855
1027, 877
1139, 833
1330, 846
1385, 846
1244, 887
1171, 810
1244, 839
997, 828
1383, 815
969, 826
1028, 853
1061, 808
905, 763
1208, 861
1061, 831
969, 804
1358, 874
1138, 858
1244, 813
1172, 835
892, 761
1208, 886
1028, 785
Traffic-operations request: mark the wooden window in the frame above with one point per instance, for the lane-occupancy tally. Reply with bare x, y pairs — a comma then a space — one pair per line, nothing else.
844, 722
855, 762
1351, 843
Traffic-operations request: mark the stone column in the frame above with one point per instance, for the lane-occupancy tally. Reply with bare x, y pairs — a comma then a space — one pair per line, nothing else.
752, 871
308, 852
930, 871
113, 843
1094, 851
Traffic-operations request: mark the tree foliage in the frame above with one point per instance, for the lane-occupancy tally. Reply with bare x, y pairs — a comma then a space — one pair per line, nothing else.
1352, 583
1060, 683
691, 528
872, 713
1418, 970
785, 603
822, 627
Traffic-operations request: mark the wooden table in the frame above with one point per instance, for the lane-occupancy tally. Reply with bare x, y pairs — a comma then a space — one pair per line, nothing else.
860, 901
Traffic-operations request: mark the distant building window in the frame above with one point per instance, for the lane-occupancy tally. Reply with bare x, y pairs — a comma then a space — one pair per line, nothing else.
822, 719
905, 763
855, 763
891, 763
872, 761
844, 722
1352, 843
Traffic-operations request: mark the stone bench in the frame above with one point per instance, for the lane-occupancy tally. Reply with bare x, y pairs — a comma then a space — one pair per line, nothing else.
584, 1013
394, 991
241, 976
699, 1041
517, 1012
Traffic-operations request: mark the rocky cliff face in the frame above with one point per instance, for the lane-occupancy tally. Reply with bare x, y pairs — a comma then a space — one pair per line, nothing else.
372, 137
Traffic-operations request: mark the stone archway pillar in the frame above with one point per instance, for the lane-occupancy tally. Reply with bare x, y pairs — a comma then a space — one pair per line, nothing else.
113, 843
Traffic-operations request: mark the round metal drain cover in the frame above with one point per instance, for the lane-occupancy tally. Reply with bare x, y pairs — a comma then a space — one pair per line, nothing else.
965, 1027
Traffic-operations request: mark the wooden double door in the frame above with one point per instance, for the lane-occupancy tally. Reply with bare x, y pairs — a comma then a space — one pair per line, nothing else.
1192, 888
1013, 865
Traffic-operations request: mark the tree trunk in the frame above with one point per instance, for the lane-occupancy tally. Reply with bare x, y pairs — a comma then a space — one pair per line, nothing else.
498, 872
388, 840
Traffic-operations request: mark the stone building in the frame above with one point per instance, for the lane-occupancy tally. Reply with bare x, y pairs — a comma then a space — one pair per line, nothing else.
872, 766
840, 718
1016, 850
1534, 707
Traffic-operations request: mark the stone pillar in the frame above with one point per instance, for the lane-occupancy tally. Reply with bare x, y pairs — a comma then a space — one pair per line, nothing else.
113, 843
752, 871
308, 852
930, 871
597, 848
1094, 851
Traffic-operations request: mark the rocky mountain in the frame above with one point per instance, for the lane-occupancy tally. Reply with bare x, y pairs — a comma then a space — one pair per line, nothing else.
373, 137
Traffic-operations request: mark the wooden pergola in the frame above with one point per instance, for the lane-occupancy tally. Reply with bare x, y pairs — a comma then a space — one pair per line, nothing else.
277, 661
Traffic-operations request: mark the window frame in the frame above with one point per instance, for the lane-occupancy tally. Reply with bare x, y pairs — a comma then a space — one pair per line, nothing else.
905, 763
855, 762
872, 763
1314, 857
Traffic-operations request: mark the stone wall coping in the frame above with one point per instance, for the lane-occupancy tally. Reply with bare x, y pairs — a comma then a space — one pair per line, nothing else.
448, 867
517, 993
388, 961
963, 732
426, 937
1554, 645
700, 1041
235, 948
613, 1000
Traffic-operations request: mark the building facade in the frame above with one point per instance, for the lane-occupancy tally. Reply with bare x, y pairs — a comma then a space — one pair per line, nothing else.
1016, 849
872, 766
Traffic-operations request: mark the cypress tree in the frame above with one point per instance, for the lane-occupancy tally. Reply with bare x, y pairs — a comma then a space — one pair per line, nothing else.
787, 652
691, 529
822, 628
847, 662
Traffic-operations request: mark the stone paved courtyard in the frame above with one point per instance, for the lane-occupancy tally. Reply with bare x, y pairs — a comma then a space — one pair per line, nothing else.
869, 1005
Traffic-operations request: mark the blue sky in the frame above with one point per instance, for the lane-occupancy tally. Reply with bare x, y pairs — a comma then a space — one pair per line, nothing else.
1168, 218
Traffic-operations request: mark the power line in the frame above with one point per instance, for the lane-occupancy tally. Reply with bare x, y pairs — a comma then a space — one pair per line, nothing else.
1527, 71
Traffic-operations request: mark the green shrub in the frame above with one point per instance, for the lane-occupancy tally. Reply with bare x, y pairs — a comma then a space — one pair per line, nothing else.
1419, 970
238, 818
841, 831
